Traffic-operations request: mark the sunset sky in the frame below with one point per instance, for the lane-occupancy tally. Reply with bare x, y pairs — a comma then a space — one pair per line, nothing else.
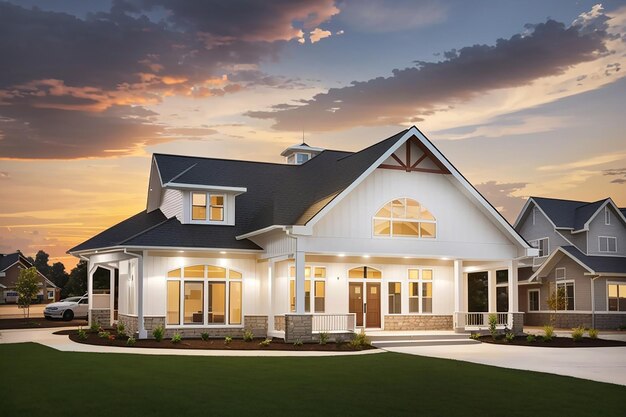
524, 97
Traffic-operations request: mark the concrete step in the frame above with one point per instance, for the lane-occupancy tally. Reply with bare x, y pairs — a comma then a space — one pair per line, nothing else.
424, 342
408, 337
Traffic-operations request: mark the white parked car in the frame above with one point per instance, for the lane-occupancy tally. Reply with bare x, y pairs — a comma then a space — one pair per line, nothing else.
68, 308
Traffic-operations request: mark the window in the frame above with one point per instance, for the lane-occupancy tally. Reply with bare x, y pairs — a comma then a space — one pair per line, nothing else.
186, 290
319, 288
395, 299
51, 295
568, 290
364, 272
617, 297
404, 217
543, 245
502, 291
420, 291
607, 244
607, 216
534, 215
301, 158
198, 206
215, 207
559, 274
533, 300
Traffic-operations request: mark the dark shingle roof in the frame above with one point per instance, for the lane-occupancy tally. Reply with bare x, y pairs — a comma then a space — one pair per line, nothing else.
569, 214
604, 264
623, 210
8, 260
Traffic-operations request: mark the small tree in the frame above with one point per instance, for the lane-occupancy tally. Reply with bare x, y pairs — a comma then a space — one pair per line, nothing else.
27, 287
556, 301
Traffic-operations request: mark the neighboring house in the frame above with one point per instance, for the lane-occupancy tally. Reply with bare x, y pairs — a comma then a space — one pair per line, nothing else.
392, 237
582, 249
10, 266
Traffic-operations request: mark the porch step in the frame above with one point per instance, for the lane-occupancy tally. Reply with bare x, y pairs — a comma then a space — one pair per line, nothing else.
382, 344
418, 337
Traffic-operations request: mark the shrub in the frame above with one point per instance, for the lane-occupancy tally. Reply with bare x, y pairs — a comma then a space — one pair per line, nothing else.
578, 333
82, 335
493, 322
95, 328
548, 333
227, 340
121, 329
177, 338
531, 338
104, 334
359, 340
265, 342
324, 338
205, 336
475, 336
593, 333
298, 342
248, 336
509, 336
354, 344
131, 341
158, 333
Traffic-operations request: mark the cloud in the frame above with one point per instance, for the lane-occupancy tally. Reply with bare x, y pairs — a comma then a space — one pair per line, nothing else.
618, 172
585, 163
390, 16
318, 34
500, 195
4, 175
411, 94
509, 126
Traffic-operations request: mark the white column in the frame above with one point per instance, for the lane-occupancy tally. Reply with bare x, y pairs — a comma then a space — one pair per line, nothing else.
112, 294
513, 298
459, 301
491, 288
91, 268
270, 295
300, 282
141, 325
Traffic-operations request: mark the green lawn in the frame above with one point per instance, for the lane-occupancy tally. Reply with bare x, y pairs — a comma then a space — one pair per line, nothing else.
38, 381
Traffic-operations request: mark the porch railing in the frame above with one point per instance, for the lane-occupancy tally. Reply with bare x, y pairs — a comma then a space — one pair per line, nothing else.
334, 323
481, 320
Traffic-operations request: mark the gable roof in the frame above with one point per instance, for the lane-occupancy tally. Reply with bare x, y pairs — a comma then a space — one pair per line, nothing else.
604, 265
7, 260
155, 230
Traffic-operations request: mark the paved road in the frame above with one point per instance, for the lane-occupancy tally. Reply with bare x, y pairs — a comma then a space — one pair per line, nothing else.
598, 364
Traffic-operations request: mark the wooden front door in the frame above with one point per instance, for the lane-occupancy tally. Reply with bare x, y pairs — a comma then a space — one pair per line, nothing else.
356, 301
372, 315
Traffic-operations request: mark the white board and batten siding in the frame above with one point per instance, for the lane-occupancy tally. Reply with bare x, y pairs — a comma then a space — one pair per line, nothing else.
463, 230
172, 204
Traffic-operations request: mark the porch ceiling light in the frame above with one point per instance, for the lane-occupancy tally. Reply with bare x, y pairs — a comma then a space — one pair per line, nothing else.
366, 256
341, 255
223, 252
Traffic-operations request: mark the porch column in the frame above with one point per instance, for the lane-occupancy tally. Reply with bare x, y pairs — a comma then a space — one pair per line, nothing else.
111, 294
459, 302
513, 298
143, 334
491, 288
270, 295
92, 270
300, 282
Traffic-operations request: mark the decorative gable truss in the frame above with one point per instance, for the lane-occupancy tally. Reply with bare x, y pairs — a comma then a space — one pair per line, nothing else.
413, 156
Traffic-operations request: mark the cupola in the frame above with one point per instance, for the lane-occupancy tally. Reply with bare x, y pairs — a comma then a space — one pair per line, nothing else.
299, 154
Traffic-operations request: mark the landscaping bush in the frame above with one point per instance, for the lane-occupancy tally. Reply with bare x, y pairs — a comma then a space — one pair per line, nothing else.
95, 328
248, 336
82, 335
324, 338
227, 340
177, 338
531, 338
205, 336
548, 333
593, 333
475, 336
298, 342
158, 333
131, 341
359, 340
265, 342
493, 322
104, 334
578, 333
509, 336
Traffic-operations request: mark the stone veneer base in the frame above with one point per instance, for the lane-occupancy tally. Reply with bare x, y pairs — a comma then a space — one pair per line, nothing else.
418, 322
571, 320
256, 324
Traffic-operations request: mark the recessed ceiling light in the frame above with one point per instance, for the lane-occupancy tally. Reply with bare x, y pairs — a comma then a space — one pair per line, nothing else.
223, 252
341, 255
406, 257
445, 259
366, 256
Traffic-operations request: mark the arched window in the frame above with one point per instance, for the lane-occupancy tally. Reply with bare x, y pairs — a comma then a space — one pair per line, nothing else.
364, 272
186, 289
406, 218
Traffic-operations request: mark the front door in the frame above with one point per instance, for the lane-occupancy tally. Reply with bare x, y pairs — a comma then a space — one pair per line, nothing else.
372, 308
356, 302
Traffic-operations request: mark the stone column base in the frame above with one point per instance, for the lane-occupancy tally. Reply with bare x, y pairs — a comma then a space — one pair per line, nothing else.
100, 316
298, 327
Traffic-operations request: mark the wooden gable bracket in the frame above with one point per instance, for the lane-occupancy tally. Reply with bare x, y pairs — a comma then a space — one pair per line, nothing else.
406, 165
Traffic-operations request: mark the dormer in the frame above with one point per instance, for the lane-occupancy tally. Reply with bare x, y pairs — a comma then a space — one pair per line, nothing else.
299, 154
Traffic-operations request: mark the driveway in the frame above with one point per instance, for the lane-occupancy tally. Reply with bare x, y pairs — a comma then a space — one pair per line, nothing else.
13, 311
597, 364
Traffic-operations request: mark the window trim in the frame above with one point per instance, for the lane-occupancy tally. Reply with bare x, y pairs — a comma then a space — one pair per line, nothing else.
534, 215
536, 241
565, 283
607, 216
502, 285
618, 283
313, 290
420, 288
608, 238
564, 277
391, 219
208, 195
538, 291
389, 295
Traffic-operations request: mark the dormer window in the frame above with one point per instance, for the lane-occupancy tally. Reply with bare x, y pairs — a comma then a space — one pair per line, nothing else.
199, 208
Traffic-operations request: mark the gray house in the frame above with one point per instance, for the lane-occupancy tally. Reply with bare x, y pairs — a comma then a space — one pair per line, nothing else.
582, 250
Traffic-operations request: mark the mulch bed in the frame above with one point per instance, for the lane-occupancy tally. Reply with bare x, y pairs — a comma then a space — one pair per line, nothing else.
38, 323
211, 344
556, 342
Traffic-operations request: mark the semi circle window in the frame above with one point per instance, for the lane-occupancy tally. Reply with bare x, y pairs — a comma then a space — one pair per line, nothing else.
405, 217
364, 272
204, 295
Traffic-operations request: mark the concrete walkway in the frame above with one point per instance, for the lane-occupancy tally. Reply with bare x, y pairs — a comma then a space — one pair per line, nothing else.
597, 364
64, 344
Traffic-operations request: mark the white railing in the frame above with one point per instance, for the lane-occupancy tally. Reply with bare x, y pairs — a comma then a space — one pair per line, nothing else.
333, 323
481, 320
